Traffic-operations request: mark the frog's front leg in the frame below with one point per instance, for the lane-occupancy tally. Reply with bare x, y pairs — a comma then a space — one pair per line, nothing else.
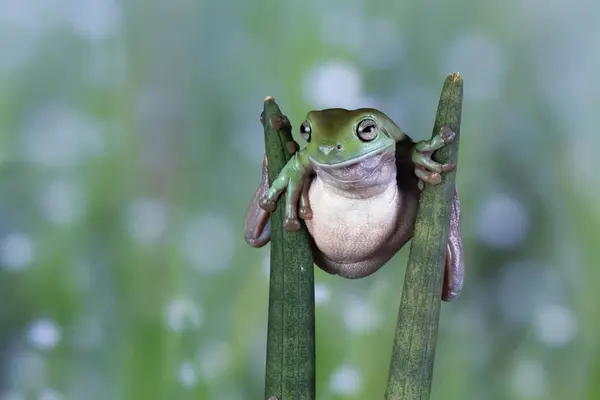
293, 179
426, 169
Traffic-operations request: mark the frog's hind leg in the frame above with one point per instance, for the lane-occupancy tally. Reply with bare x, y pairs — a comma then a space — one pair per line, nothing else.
257, 224
454, 271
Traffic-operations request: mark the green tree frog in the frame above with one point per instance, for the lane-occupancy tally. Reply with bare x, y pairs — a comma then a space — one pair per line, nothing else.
357, 185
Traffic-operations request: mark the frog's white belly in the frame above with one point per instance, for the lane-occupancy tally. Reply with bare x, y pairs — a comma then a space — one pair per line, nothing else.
355, 236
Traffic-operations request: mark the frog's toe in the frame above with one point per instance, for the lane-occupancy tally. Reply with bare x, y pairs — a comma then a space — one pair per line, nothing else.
305, 212
448, 167
424, 161
291, 224
431, 178
434, 178
267, 205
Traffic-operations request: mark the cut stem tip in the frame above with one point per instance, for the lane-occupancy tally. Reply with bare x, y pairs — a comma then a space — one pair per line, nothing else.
455, 76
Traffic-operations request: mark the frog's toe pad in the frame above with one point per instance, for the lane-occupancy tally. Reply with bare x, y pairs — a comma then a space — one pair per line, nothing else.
305, 213
431, 178
448, 167
291, 224
434, 178
267, 205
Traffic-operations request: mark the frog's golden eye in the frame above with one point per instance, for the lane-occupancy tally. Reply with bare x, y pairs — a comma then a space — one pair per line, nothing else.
366, 130
305, 131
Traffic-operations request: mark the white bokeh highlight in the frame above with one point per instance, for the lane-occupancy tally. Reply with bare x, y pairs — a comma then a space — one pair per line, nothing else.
184, 314
44, 334
503, 222
345, 381
333, 84
322, 293
555, 325
17, 251
146, 220
186, 374
209, 242
360, 317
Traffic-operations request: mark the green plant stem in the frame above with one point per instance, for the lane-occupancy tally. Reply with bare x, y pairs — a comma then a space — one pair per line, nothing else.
290, 372
411, 367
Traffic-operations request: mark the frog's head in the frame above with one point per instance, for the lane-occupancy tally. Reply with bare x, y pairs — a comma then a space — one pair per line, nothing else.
338, 138
348, 147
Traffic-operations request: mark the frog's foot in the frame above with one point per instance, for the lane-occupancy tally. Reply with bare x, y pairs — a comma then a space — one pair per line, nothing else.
291, 222
455, 269
426, 169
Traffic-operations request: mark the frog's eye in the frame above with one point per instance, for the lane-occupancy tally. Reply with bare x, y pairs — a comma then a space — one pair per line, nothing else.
305, 131
366, 130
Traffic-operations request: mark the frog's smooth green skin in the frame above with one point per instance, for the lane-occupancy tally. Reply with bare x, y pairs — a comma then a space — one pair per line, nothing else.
356, 185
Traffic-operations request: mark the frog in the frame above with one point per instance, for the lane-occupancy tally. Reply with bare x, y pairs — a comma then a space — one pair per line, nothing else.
356, 185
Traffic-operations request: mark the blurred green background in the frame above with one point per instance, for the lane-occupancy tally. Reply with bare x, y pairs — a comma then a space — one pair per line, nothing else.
130, 145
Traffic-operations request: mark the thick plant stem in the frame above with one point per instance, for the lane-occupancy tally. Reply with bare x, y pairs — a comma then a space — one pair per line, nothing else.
411, 367
290, 372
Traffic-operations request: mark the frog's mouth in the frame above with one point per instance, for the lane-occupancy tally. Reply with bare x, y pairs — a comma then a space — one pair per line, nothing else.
351, 162
357, 170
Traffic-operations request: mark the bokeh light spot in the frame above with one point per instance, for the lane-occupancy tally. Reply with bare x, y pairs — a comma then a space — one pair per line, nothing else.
333, 84
360, 317
555, 325
146, 220
44, 334
503, 222
183, 313
209, 242
16, 251
345, 381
